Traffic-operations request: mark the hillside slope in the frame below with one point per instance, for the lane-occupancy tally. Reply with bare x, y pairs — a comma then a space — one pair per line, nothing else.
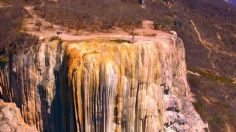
210, 41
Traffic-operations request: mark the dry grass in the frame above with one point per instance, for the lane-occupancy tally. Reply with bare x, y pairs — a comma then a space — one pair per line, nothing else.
10, 24
105, 14
21, 42
93, 14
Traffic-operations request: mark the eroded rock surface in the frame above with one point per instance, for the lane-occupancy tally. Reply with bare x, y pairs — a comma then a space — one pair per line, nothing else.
103, 85
11, 120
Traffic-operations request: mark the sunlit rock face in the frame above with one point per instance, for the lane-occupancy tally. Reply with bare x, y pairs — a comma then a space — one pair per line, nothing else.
128, 87
103, 85
113, 85
30, 80
11, 120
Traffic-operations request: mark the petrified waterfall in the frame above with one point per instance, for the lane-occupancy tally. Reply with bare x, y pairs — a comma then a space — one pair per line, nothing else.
113, 85
103, 85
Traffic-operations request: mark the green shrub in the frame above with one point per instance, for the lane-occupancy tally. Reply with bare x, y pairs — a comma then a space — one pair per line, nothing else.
212, 76
157, 25
3, 60
53, 38
121, 41
215, 119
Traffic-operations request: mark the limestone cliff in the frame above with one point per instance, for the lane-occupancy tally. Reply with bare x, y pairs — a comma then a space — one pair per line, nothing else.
103, 85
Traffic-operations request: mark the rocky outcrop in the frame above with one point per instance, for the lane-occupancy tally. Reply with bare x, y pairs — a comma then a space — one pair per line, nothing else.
103, 85
11, 120
31, 83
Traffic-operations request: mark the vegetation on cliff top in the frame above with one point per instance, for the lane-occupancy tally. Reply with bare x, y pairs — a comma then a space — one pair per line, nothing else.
212, 76
104, 14
10, 24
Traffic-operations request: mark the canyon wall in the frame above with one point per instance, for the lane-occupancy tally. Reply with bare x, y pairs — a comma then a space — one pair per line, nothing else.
102, 85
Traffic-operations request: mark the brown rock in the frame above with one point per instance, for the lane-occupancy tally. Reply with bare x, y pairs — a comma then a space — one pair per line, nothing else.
11, 120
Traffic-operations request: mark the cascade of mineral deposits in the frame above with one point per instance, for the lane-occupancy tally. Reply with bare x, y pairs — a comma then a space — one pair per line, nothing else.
103, 85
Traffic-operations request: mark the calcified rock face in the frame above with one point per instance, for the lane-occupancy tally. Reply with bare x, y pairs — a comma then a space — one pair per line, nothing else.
103, 85
113, 85
11, 120
30, 80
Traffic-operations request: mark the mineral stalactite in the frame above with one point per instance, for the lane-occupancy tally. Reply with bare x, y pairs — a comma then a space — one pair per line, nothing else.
103, 85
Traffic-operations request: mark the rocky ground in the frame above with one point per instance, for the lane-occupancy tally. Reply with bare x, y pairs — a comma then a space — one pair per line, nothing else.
11, 119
